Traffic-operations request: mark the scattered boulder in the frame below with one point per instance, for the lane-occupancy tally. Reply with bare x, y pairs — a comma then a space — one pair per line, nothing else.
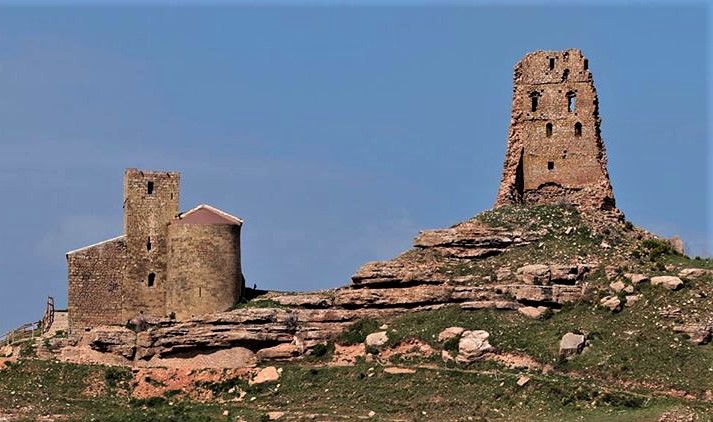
613, 303
632, 299
636, 279
629, 289
697, 333
534, 274
284, 351
677, 245
694, 273
472, 345
668, 281
523, 380
377, 339
533, 312
394, 370
612, 272
571, 344
273, 416
267, 374
449, 333
617, 286
446, 356
5, 351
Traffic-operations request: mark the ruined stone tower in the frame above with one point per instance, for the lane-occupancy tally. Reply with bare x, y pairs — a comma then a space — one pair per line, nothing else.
150, 203
555, 153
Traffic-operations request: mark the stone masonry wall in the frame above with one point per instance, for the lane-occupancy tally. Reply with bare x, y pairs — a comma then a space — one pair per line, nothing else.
204, 271
555, 152
95, 284
150, 202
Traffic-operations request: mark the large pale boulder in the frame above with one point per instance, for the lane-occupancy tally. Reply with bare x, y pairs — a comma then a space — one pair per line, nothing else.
617, 286
571, 344
473, 345
694, 273
284, 351
697, 333
267, 374
377, 339
532, 311
449, 333
612, 303
534, 274
668, 281
635, 278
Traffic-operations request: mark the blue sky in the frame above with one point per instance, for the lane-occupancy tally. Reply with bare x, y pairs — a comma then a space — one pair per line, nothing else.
335, 132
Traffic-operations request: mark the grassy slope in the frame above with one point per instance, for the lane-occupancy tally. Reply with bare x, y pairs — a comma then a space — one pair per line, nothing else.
632, 367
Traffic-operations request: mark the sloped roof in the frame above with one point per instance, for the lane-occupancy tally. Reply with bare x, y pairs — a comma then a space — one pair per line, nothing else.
205, 214
113, 239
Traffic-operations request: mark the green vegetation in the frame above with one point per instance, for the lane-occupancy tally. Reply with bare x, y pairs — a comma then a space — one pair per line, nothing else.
258, 303
358, 331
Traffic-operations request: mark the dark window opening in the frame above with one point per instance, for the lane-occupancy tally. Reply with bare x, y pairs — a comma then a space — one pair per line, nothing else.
565, 75
552, 63
577, 129
550, 165
148, 244
152, 279
149, 188
200, 291
586, 64
571, 101
548, 129
535, 97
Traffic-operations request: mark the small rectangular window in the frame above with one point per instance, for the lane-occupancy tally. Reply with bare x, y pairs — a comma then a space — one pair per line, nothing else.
152, 279
552, 63
149, 188
550, 165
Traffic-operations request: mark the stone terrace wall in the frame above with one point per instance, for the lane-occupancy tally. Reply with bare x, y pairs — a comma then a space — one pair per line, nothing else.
95, 284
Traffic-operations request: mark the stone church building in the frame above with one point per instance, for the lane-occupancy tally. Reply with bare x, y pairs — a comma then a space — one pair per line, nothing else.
166, 263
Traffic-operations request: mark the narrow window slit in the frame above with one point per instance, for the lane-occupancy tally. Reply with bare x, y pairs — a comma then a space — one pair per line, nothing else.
149, 188
577, 129
548, 129
148, 244
152, 279
552, 63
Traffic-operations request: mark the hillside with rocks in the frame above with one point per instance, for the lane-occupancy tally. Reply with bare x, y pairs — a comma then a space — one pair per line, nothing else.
577, 315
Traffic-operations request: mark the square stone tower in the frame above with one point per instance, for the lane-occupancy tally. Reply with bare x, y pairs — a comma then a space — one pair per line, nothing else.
150, 203
555, 152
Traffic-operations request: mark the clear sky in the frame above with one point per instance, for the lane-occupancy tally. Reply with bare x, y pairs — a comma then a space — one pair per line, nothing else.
335, 132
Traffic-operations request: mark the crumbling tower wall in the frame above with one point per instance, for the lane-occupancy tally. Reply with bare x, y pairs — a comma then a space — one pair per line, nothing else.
555, 153
150, 203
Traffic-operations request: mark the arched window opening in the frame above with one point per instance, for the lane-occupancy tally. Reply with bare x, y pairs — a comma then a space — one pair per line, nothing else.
152, 279
571, 101
578, 129
535, 98
548, 129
